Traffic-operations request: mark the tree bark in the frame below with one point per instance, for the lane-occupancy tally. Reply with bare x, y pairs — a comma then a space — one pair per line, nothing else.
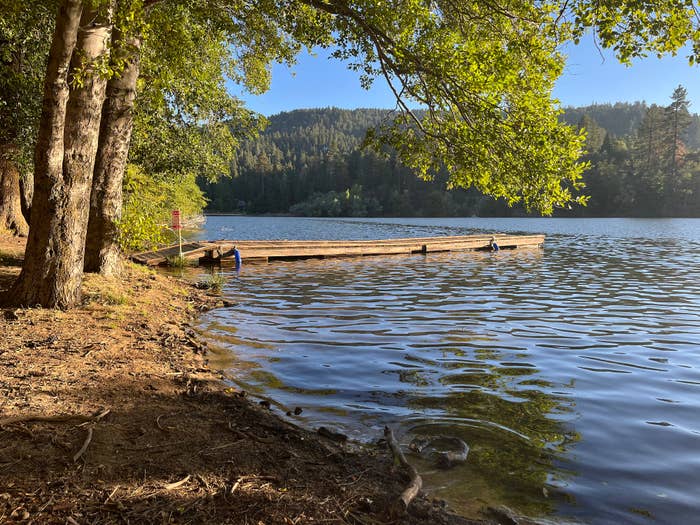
64, 160
26, 194
11, 217
102, 247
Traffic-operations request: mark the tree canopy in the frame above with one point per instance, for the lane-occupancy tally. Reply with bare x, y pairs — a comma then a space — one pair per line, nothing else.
310, 162
481, 72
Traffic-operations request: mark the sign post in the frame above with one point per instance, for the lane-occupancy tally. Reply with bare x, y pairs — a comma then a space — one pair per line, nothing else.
177, 225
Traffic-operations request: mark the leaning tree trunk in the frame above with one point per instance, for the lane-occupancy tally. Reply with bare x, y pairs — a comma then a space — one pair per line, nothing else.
11, 217
102, 246
65, 157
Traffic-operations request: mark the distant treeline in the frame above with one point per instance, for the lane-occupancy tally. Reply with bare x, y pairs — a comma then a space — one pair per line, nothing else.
644, 161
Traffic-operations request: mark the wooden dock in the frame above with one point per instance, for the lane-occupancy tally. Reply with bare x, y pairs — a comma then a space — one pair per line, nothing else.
216, 251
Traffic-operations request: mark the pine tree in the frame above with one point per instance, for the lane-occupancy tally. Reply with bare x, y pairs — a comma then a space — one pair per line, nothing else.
678, 120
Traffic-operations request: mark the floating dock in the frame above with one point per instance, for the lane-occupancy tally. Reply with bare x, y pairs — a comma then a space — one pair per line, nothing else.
211, 252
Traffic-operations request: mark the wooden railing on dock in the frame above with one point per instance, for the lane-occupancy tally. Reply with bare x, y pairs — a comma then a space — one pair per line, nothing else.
214, 251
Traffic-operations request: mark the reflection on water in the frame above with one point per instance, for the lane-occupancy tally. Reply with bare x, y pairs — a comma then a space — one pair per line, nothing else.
572, 372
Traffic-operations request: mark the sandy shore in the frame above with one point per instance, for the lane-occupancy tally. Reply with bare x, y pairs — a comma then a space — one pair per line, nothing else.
109, 413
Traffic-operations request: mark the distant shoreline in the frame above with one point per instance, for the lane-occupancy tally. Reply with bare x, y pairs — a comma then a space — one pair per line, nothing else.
234, 214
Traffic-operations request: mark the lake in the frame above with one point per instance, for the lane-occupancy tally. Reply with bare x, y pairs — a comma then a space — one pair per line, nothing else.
572, 371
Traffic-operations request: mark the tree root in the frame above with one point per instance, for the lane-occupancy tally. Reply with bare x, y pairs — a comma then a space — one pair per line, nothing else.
401, 504
60, 418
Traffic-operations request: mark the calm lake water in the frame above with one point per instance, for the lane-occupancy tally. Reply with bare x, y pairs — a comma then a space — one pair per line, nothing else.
573, 371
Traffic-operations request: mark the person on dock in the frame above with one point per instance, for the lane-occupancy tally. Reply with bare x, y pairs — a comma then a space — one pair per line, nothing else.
237, 258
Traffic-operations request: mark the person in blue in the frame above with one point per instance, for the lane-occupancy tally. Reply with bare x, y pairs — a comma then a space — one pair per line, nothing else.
237, 258
493, 244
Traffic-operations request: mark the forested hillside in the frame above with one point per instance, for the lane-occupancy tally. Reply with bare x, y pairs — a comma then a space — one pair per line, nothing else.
644, 161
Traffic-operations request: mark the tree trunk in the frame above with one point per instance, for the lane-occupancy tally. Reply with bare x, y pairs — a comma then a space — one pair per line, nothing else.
102, 248
11, 217
26, 193
64, 160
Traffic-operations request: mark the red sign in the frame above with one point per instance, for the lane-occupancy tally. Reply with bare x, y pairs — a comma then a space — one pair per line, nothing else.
176, 220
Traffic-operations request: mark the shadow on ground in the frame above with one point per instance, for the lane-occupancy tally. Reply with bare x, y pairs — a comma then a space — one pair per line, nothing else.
197, 457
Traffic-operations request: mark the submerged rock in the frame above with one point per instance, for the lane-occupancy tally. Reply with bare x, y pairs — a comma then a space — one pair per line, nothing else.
447, 451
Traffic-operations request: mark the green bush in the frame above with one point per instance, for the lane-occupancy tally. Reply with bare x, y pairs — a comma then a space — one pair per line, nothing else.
148, 204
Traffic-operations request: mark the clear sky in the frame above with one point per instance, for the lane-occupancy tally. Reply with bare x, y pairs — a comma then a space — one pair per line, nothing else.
317, 81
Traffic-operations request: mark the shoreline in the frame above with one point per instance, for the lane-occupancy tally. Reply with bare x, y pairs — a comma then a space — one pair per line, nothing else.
111, 413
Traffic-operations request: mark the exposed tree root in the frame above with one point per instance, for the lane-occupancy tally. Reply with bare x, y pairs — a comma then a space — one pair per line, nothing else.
401, 504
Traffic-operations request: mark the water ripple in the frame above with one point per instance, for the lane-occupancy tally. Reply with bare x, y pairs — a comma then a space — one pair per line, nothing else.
573, 369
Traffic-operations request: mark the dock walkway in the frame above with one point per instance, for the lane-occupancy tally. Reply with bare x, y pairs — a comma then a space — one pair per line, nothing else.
216, 251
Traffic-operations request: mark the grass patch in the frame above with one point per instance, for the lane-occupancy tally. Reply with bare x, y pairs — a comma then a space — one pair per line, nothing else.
105, 298
214, 283
115, 298
105, 291
180, 261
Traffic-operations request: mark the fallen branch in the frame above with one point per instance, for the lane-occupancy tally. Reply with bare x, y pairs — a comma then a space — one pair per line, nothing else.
85, 445
401, 504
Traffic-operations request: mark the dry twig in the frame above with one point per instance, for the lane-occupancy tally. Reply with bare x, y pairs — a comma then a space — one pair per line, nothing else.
85, 445
111, 494
173, 486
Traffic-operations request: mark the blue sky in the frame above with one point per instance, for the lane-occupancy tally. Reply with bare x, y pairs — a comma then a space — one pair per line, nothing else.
317, 81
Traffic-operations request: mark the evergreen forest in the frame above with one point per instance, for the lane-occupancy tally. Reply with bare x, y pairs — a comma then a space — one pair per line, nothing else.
643, 161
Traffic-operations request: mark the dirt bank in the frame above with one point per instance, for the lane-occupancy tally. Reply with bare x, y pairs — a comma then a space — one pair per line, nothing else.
110, 414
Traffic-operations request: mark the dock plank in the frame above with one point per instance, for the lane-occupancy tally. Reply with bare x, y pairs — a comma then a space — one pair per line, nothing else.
161, 256
290, 249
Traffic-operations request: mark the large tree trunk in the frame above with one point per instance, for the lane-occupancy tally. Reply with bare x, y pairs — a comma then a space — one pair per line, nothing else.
65, 156
11, 217
102, 248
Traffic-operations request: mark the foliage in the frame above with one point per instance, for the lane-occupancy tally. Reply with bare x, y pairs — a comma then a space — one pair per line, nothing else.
186, 123
653, 172
636, 28
183, 110
148, 203
214, 283
350, 203
23, 49
484, 74
318, 151
307, 159
620, 119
